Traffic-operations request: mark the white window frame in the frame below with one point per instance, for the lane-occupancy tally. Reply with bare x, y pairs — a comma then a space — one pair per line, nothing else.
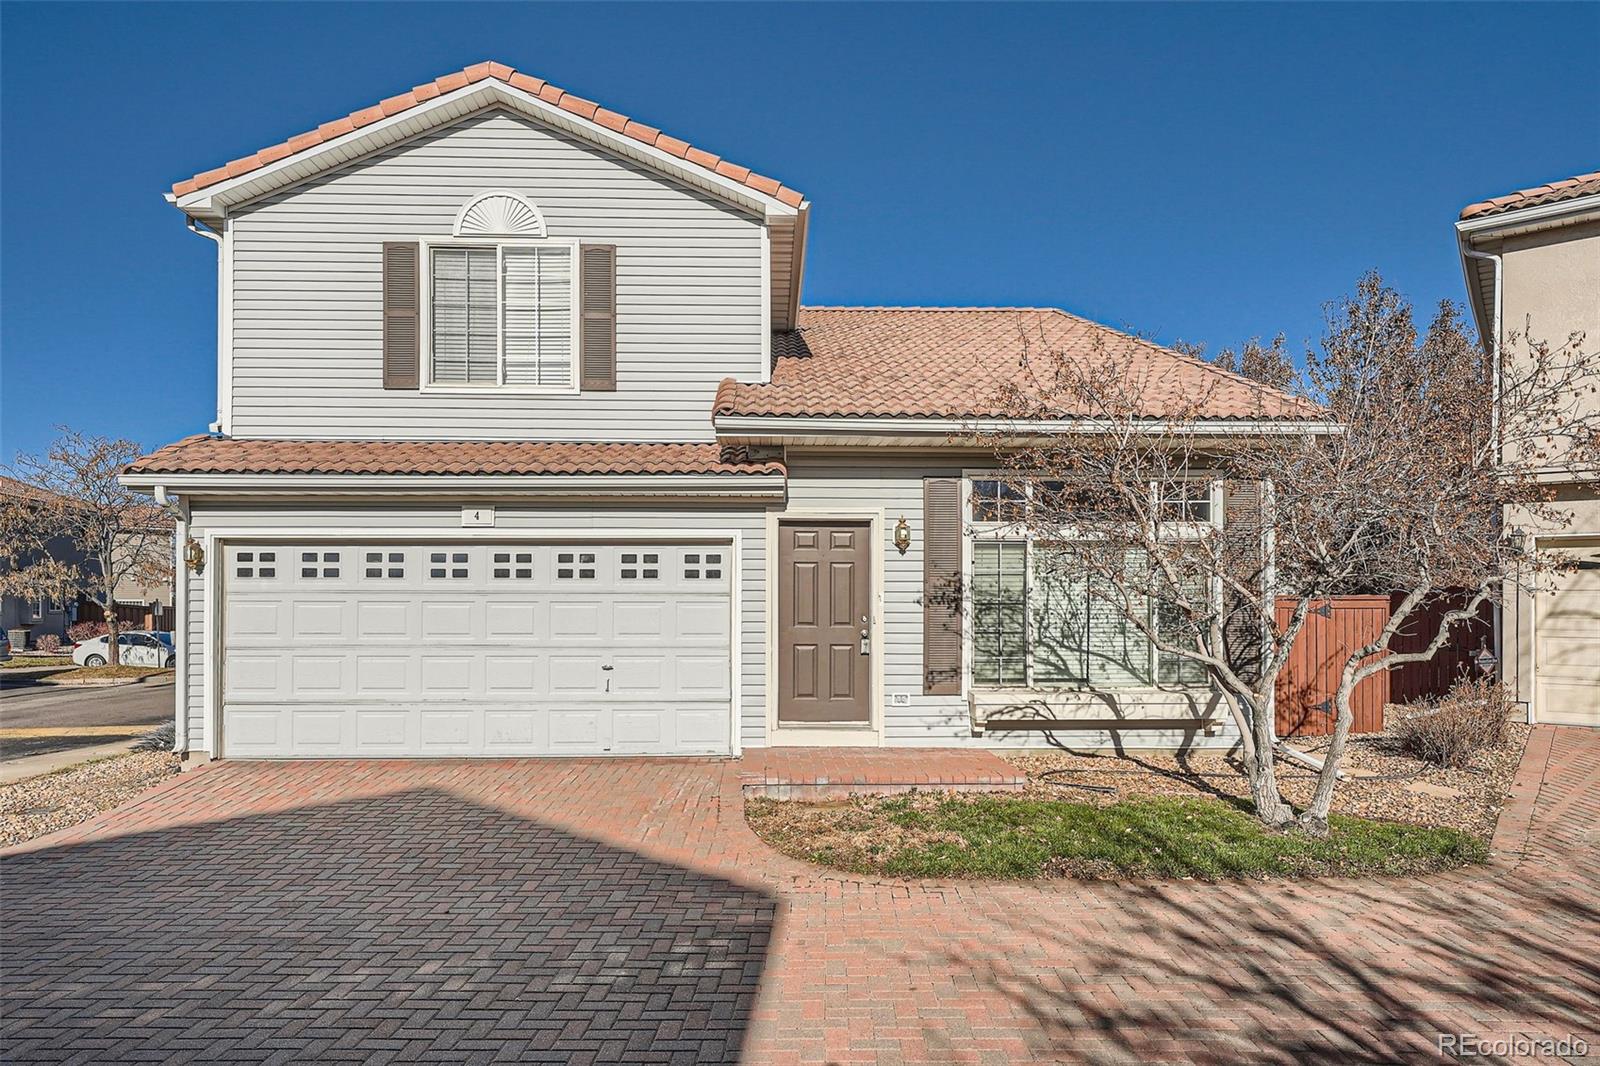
1016, 532
426, 247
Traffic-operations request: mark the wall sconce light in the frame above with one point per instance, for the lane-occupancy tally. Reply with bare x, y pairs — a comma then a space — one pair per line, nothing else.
902, 535
194, 556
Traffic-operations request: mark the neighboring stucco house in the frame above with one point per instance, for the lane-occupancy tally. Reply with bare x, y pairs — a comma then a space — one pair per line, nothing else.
525, 445
1532, 266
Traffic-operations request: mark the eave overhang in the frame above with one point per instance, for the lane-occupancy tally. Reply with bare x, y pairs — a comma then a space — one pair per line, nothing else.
777, 430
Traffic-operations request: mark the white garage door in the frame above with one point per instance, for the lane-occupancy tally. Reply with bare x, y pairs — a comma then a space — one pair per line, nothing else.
1567, 645
389, 650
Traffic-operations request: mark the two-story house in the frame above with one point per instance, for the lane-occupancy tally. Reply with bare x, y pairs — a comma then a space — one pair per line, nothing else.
1532, 265
525, 445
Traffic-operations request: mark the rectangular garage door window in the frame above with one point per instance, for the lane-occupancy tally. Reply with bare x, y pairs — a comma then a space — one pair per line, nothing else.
632, 569
307, 559
455, 571
575, 564
503, 568
252, 565
396, 567
694, 569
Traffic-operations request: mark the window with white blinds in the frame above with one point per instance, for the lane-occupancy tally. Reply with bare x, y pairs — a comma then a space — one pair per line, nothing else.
502, 315
1040, 620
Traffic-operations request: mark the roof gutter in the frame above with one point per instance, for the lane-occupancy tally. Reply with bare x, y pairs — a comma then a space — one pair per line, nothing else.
222, 323
818, 429
476, 486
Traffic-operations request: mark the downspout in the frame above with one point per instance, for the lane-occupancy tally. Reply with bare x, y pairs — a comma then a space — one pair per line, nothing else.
212, 235
1494, 435
179, 510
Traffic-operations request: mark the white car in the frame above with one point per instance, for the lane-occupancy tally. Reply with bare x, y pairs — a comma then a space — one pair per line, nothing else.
138, 647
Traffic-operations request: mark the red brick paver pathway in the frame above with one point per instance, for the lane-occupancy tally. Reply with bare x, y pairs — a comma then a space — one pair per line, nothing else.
621, 911
824, 773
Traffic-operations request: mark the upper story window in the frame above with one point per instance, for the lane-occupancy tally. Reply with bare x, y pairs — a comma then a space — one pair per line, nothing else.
501, 300
502, 315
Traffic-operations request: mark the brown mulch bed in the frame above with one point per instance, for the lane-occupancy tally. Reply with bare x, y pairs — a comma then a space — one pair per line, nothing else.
1482, 785
55, 801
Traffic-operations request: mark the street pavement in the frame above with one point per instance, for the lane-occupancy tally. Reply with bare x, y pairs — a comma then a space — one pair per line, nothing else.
38, 719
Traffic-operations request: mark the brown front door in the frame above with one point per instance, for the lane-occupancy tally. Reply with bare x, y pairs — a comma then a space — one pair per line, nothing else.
824, 601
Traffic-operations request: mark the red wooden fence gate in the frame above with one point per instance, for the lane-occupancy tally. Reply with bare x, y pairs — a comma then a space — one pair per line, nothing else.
1334, 628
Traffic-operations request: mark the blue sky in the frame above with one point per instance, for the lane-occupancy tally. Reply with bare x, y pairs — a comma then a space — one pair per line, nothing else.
1203, 172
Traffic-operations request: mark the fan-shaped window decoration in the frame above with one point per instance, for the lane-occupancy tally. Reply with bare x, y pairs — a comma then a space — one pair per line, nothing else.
499, 213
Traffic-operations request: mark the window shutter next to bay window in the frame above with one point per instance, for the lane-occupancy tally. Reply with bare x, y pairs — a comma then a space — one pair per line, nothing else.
597, 334
941, 585
402, 299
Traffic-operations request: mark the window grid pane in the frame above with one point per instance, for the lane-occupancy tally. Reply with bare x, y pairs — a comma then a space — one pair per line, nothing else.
538, 315
464, 309
999, 636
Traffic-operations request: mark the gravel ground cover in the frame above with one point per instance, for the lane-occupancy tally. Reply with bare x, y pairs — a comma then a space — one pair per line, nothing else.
55, 801
1387, 794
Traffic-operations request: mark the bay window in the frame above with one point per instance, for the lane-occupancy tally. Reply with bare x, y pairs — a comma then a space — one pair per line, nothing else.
1040, 620
502, 315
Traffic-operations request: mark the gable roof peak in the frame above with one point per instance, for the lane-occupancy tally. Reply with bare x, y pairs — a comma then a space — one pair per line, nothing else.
534, 86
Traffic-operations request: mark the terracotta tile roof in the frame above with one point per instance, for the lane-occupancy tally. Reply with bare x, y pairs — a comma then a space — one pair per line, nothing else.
577, 105
950, 362
1553, 193
223, 455
10, 486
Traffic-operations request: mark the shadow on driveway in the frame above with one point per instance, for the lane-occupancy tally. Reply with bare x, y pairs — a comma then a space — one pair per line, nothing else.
417, 925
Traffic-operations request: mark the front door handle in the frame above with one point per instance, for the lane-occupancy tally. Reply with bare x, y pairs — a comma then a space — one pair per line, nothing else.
866, 637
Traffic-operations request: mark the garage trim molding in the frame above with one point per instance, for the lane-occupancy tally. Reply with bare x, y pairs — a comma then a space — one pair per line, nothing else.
216, 539
1533, 618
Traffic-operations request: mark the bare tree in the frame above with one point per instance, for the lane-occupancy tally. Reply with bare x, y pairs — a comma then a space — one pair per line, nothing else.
69, 528
1385, 465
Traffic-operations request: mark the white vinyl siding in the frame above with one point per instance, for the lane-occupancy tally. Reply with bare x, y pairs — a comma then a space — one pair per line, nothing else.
308, 302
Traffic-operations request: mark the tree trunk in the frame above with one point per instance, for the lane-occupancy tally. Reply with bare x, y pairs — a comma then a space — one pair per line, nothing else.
113, 630
1261, 768
1314, 819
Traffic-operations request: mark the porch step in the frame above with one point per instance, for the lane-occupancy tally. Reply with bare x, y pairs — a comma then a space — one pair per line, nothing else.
835, 773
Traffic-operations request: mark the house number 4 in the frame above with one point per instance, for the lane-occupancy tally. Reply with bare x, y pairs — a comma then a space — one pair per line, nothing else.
477, 516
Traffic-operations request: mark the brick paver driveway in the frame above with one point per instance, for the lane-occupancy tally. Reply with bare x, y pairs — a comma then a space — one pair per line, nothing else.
621, 912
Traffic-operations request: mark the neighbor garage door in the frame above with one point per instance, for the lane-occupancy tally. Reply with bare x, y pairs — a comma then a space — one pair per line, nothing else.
1567, 644
491, 649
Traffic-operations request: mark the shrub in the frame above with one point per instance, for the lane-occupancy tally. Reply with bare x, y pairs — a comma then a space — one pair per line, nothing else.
1471, 717
161, 738
79, 632
49, 644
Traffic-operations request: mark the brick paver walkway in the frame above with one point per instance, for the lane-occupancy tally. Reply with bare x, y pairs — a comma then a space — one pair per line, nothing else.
620, 911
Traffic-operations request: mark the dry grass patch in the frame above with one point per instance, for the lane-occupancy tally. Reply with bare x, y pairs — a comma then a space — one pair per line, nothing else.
105, 673
1017, 837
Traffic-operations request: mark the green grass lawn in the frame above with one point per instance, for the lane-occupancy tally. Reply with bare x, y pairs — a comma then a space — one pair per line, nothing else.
1013, 838
16, 662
